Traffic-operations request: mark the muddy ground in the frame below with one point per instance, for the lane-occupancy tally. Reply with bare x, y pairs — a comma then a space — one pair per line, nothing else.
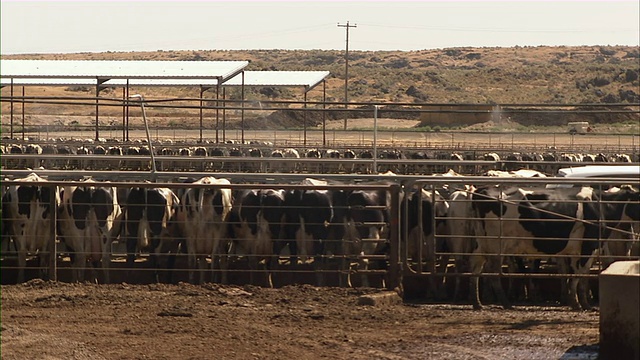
48, 320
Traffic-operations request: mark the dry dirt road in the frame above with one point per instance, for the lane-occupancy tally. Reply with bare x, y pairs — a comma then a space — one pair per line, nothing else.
46, 320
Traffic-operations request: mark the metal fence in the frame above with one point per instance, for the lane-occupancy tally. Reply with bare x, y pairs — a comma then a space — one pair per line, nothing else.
420, 263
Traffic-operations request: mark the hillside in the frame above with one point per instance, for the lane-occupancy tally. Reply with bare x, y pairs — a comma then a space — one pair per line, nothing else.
530, 75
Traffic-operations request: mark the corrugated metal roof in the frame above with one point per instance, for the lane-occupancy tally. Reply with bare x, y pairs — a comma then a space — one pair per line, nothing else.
162, 82
111, 82
48, 82
308, 79
120, 69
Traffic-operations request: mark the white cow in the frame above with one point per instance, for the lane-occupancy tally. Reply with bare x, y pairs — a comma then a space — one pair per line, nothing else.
202, 218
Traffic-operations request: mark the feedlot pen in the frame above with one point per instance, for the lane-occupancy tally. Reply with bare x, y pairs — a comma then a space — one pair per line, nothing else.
423, 265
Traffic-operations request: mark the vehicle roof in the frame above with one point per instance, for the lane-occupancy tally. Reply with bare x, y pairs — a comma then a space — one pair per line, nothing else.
600, 171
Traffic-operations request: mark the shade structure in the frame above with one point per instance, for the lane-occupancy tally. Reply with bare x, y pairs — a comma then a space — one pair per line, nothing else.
122, 73
119, 69
306, 79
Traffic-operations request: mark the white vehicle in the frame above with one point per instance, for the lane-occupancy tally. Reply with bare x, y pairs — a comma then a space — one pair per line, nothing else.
579, 127
598, 171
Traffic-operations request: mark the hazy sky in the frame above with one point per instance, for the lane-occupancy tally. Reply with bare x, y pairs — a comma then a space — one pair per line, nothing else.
92, 26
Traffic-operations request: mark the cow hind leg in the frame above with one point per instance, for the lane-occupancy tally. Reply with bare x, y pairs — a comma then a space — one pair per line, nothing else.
495, 264
477, 263
22, 264
583, 294
106, 264
202, 268
573, 294
44, 265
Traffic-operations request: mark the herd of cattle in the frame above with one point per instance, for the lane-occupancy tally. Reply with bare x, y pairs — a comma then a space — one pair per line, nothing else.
370, 226
186, 157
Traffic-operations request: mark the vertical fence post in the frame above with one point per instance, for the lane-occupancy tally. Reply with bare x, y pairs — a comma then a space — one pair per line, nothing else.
395, 265
53, 273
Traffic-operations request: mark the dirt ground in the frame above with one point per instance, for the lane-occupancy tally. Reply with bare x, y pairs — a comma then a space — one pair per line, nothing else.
48, 320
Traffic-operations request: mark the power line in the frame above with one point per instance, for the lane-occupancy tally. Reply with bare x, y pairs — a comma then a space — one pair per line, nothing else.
496, 30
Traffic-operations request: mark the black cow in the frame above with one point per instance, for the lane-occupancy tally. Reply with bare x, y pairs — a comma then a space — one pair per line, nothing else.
255, 222
255, 166
150, 225
307, 224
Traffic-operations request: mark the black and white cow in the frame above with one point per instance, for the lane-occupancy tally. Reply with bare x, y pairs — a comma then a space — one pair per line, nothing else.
28, 216
622, 223
335, 165
416, 167
307, 224
364, 168
183, 165
255, 222
50, 149
114, 164
364, 216
539, 223
79, 162
200, 164
349, 155
202, 218
234, 166
132, 164
313, 166
426, 208
89, 218
33, 149
149, 224
14, 164
391, 154
459, 241
255, 166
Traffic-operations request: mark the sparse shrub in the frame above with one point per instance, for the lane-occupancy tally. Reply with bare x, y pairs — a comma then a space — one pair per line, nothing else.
629, 96
610, 99
607, 52
398, 63
631, 75
78, 88
452, 52
600, 81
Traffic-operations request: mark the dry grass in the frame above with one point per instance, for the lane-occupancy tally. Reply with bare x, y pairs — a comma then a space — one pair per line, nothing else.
551, 75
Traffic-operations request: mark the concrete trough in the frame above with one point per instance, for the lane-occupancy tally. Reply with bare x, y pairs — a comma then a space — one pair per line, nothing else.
620, 311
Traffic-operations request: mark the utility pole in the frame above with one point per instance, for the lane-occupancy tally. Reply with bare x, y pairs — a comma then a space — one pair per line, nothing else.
346, 72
